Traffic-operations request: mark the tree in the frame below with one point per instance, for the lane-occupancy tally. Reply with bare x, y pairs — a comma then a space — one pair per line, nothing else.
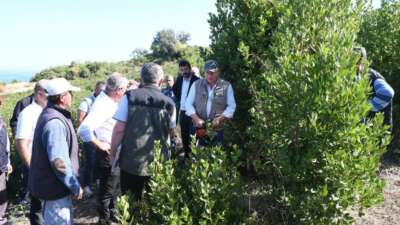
139, 56
183, 37
295, 62
164, 45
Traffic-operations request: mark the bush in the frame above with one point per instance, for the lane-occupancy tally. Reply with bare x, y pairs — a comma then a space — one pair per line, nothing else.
295, 62
204, 191
380, 35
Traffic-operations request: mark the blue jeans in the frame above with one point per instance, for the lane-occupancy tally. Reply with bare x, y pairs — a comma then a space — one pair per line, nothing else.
58, 212
90, 162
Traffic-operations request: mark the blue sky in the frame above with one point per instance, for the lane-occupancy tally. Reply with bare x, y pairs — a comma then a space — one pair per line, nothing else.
39, 33
36, 34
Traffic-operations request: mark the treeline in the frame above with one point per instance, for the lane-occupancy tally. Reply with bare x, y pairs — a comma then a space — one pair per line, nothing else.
167, 47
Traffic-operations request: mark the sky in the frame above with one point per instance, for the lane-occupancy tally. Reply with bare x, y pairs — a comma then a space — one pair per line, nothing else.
35, 34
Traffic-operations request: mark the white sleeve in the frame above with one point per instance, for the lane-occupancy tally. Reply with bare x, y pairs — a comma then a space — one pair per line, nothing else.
96, 117
122, 111
231, 107
172, 123
24, 126
190, 110
84, 106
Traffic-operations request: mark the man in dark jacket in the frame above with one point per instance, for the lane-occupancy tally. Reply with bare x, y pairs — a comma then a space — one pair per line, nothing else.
143, 116
181, 90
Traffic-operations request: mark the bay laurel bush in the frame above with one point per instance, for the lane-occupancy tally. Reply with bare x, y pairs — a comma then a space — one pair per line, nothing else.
315, 158
206, 190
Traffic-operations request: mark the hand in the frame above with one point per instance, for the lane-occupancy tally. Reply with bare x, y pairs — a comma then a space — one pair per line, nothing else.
103, 146
9, 168
218, 121
80, 195
198, 122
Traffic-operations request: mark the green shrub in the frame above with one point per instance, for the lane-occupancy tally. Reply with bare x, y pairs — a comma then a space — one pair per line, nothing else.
204, 191
295, 62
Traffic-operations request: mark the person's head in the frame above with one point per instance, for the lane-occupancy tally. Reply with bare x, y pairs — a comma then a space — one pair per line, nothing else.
211, 71
116, 86
59, 92
133, 84
184, 68
362, 60
151, 73
169, 80
196, 71
39, 93
100, 86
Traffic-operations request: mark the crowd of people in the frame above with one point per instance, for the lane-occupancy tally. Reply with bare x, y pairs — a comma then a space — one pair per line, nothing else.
118, 126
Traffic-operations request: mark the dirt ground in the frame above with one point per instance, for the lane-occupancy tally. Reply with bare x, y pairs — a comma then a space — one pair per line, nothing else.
387, 213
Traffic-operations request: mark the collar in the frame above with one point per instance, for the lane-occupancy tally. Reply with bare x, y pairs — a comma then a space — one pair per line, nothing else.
151, 86
65, 112
188, 78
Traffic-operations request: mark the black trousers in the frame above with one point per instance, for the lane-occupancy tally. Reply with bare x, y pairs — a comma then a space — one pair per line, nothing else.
35, 212
134, 184
108, 193
186, 129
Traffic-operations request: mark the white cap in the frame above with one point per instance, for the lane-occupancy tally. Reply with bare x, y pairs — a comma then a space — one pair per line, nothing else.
58, 86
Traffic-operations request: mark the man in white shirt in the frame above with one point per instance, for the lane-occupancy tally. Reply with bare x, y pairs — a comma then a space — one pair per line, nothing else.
211, 100
181, 90
97, 129
88, 150
23, 139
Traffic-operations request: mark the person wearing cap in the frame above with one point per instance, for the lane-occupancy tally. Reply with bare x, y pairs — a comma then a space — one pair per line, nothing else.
88, 150
211, 99
96, 130
53, 175
143, 116
383, 93
5, 167
23, 140
181, 89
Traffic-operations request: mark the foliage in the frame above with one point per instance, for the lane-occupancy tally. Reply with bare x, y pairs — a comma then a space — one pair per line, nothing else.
164, 45
294, 67
240, 40
203, 191
87, 70
380, 35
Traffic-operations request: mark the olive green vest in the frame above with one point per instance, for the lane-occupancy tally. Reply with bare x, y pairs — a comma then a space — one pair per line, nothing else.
219, 101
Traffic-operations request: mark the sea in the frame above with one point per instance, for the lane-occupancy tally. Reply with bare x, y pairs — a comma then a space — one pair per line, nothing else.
15, 76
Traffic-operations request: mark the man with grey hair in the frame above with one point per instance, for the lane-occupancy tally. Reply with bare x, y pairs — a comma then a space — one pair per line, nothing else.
97, 129
144, 116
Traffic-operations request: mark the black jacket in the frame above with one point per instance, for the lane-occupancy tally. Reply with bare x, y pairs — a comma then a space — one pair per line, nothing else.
177, 88
21, 104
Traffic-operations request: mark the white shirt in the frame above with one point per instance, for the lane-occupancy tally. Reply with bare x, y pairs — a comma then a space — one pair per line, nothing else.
122, 113
27, 120
231, 103
99, 123
184, 92
86, 104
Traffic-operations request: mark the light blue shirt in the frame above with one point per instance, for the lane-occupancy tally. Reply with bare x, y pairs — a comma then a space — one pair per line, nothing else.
383, 95
54, 139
